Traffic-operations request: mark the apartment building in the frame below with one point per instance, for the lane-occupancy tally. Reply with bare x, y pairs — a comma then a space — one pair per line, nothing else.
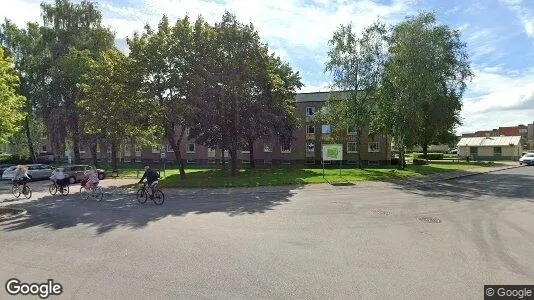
304, 148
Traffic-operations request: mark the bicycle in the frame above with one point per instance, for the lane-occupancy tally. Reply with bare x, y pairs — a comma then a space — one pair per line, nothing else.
25, 190
143, 194
62, 189
94, 192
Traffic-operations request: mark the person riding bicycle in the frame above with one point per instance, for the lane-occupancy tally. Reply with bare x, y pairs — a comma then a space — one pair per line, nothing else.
151, 177
21, 175
58, 177
91, 178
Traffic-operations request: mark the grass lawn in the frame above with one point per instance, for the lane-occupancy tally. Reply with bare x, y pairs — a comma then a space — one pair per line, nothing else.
293, 175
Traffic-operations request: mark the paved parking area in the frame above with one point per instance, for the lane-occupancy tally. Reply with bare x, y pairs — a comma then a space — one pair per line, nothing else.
441, 240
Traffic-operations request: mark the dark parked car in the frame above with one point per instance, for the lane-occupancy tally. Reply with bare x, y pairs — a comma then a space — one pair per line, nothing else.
75, 173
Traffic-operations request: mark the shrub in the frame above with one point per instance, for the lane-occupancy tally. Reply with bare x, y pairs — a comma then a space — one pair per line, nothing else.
431, 156
420, 161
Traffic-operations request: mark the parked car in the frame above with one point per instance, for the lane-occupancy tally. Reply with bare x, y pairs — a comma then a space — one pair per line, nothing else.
35, 172
3, 168
453, 151
75, 173
527, 159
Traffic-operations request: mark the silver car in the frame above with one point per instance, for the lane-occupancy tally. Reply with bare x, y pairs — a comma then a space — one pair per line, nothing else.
527, 159
35, 172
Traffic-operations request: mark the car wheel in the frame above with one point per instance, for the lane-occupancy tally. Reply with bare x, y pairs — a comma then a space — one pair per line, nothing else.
101, 176
72, 180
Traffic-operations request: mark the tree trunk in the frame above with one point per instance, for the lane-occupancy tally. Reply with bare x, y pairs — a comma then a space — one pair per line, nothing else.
223, 163
359, 143
175, 144
251, 153
29, 139
114, 153
233, 156
76, 139
94, 155
425, 150
387, 148
402, 162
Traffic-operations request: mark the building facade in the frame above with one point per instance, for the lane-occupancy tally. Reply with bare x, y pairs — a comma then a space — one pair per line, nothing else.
491, 148
305, 148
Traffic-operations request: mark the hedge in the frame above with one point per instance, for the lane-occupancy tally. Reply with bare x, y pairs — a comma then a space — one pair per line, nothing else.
431, 156
420, 161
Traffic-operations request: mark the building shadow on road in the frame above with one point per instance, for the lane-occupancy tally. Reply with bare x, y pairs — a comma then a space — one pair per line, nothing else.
513, 186
121, 210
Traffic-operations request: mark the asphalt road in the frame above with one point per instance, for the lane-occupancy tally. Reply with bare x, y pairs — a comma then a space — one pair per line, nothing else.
387, 241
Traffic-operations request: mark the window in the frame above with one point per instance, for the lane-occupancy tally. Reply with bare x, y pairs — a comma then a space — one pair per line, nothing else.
310, 111
155, 149
285, 148
310, 129
43, 149
211, 152
44, 136
127, 150
267, 147
374, 147
187, 131
352, 147
352, 130
191, 148
169, 148
310, 146
325, 129
473, 150
497, 151
137, 150
97, 148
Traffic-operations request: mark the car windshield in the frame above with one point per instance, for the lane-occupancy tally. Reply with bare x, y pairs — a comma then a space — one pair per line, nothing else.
529, 155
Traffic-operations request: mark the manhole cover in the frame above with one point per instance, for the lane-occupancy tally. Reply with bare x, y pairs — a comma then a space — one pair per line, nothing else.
379, 212
429, 219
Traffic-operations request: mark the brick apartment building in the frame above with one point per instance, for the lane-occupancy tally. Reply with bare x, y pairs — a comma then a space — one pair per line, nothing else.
519, 130
305, 148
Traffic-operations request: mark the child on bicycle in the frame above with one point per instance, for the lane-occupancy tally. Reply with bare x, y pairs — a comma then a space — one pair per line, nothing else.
91, 179
58, 177
21, 175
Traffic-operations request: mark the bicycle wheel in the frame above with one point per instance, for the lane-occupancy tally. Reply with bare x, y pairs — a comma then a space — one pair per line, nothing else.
64, 190
98, 193
84, 194
141, 196
159, 197
52, 189
27, 191
16, 191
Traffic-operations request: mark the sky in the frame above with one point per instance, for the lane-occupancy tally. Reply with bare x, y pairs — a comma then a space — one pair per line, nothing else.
499, 35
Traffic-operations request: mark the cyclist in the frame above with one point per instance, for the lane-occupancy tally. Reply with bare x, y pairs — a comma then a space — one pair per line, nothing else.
21, 175
91, 179
58, 177
151, 177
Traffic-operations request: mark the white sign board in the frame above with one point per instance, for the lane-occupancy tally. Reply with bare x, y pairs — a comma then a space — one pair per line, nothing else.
333, 152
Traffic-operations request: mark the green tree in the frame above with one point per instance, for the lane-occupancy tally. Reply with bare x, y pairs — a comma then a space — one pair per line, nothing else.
112, 108
25, 46
164, 58
12, 104
249, 94
72, 33
423, 81
356, 62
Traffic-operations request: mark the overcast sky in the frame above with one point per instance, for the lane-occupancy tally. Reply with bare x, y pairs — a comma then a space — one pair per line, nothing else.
499, 36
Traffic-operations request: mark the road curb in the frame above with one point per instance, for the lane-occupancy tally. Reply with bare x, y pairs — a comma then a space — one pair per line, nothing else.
475, 173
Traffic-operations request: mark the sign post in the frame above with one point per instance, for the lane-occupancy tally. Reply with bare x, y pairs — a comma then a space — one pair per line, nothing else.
332, 152
163, 156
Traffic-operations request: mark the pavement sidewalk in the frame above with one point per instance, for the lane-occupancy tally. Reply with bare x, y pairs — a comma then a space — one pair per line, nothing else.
461, 174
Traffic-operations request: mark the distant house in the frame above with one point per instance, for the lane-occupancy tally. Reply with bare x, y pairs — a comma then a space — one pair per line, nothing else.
491, 148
